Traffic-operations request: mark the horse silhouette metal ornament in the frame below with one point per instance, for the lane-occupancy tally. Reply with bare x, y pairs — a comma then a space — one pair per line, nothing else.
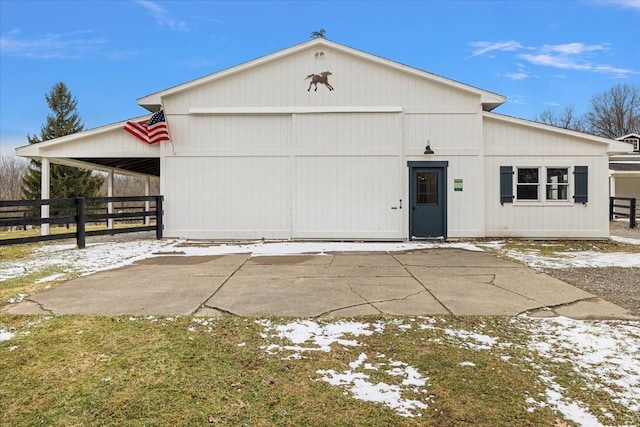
319, 78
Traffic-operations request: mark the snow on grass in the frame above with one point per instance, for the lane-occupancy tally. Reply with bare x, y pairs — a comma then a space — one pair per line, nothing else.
5, 335
606, 354
562, 260
627, 240
308, 335
95, 257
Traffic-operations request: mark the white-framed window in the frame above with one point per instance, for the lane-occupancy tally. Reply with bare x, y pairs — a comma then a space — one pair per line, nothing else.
540, 184
557, 184
528, 184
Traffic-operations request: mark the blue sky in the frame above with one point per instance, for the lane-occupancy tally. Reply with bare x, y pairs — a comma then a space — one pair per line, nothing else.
539, 54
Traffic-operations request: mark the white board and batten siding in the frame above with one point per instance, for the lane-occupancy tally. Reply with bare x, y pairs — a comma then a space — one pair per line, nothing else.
511, 143
261, 157
273, 185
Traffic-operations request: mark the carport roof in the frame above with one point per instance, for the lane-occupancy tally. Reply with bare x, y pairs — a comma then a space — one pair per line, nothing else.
130, 157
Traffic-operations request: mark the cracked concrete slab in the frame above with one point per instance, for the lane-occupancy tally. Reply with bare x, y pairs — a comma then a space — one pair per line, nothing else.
149, 294
595, 308
472, 295
25, 307
283, 296
540, 287
427, 282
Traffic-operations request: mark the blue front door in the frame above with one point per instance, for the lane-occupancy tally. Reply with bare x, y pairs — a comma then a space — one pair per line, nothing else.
427, 215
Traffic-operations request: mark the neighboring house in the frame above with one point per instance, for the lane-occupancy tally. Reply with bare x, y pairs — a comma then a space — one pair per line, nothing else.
383, 151
624, 169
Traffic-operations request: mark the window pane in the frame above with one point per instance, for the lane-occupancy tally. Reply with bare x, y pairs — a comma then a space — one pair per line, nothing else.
557, 175
557, 192
527, 192
427, 188
528, 175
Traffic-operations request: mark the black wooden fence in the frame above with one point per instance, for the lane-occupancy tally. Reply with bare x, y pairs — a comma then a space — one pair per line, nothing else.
623, 207
80, 211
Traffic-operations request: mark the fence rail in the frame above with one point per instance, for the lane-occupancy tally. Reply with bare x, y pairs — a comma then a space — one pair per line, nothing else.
80, 211
626, 208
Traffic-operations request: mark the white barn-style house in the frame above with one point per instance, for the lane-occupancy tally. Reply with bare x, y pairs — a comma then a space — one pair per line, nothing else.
371, 150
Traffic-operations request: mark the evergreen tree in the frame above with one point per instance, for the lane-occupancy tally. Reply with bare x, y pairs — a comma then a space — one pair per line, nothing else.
66, 181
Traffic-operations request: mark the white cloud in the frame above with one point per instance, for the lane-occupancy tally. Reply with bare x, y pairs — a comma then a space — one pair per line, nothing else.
557, 61
61, 46
517, 76
482, 48
573, 48
162, 16
566, 56
627, 4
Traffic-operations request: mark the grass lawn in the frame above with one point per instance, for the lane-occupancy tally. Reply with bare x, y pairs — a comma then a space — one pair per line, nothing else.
71, 370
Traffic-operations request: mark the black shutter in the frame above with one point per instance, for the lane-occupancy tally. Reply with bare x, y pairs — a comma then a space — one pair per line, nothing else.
506, 184
581, 183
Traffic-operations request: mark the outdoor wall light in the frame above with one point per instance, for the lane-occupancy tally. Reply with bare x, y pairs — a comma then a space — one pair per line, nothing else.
427, 149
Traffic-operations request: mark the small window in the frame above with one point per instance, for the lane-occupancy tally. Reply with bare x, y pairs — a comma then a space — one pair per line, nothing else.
633, 141
427, 188
528, 184
557, 184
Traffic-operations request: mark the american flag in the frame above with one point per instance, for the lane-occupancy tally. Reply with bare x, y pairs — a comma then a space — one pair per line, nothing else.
152, 131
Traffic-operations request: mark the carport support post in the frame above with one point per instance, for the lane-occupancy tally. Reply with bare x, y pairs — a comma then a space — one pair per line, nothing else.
80, 222
147, 190
45, 183
110, 194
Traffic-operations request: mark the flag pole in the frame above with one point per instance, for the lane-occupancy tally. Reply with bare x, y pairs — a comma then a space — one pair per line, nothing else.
166, 120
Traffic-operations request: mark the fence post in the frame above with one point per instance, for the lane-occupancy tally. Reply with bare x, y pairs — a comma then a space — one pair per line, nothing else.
632, 213
159, 213
80, 223
611, 201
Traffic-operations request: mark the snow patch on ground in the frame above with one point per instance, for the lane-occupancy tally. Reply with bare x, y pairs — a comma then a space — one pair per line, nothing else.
563, 260
5, 335
626, 240
308, 335
604, 353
